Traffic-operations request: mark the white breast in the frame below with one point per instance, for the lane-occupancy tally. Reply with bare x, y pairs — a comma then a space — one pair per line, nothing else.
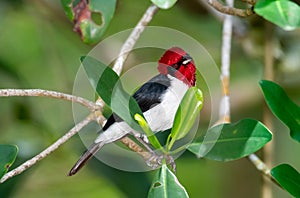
161, 117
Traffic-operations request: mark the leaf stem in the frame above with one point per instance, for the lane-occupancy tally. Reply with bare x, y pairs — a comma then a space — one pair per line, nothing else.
150, 134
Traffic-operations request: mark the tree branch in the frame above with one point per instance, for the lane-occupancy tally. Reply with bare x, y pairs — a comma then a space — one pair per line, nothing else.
267, 115
230, 10
133, 38
51, 94
48, 150
262, 167
225, 66
251, 2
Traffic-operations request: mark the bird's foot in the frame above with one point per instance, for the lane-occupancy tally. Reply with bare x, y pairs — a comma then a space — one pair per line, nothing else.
157, 160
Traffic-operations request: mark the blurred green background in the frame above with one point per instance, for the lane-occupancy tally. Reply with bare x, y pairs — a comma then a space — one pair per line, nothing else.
39, 50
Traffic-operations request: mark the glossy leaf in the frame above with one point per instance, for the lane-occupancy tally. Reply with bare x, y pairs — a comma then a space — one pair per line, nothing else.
288, 178
166, 185
231, 141
106, 83
282, 106
91, 18
67, 6
164, 4
186, 114
150, 135
8, 154
283, 13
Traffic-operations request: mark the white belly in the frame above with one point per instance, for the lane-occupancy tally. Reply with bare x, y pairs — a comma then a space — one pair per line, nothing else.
161, 116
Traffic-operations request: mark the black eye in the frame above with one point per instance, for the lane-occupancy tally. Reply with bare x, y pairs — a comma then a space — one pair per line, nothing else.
176, 65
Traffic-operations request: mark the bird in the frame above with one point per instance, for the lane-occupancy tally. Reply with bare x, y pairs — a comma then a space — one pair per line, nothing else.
158, 99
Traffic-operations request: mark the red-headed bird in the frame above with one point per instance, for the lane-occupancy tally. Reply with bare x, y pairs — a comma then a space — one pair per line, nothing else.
158, 99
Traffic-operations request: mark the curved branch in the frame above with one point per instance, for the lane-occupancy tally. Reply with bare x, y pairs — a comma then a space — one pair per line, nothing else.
225, 66
48, 150
230, 10
51, 94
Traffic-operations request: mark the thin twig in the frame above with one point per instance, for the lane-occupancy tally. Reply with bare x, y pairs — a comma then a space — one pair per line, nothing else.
267, 115
48, 150
51, 94
133, 38
135, 147
230, 10
262, 167
251, 2
225, 66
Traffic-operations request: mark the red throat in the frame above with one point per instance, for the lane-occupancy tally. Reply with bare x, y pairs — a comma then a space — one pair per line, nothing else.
168, 65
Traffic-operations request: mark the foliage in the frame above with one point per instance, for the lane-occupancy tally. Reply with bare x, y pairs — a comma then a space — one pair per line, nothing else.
91, 18
7, 157
107, 85
283, 107
186, 115
284, 13
226, 142
165, 184
150, 134
288, 178
164, 4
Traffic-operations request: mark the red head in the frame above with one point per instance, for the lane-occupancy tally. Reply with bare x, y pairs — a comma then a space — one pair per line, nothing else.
176, 62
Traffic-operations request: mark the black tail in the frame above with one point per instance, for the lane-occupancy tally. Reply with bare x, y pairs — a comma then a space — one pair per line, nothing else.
85, 157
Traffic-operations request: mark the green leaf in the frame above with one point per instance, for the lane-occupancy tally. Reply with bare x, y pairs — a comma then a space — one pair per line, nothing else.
67, 6
186, 114
151, 137
283, 13
282, 106
166, 185
164, 4
226, 142
8, 154
288, 178
91, 18
108, 86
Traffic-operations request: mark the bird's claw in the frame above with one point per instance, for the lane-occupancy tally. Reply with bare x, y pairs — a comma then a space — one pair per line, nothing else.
156, 161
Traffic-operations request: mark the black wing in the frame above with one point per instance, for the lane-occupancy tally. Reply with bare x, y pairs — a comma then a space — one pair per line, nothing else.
147, 96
